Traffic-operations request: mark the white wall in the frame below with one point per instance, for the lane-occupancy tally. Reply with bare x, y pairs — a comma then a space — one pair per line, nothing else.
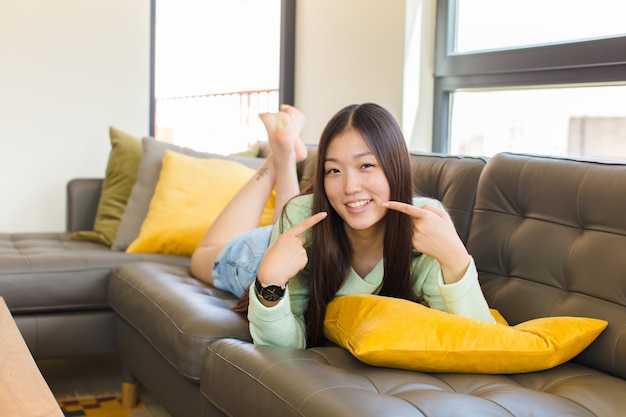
347, 51
71, 68
68, 70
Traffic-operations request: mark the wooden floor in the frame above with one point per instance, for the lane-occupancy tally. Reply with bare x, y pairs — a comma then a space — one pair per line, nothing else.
90, 377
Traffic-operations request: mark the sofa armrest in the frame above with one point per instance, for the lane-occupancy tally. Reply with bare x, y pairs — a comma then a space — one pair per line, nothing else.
83, 195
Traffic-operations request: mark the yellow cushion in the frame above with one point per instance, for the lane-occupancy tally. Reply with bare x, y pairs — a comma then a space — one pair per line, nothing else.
189, 195
121, 173
397, 333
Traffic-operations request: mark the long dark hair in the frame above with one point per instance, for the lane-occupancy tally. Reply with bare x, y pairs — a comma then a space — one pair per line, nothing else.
331, 251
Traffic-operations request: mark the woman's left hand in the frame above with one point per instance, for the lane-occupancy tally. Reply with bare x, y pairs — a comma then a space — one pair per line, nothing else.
434, 235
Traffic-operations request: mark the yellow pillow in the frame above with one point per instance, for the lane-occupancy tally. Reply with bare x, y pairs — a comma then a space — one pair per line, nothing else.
396, 333
189, 195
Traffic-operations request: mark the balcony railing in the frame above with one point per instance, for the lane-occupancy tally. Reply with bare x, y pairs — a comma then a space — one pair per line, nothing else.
221, 123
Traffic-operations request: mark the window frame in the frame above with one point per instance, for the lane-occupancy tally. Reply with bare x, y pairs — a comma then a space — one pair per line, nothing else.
286, 83
588, 62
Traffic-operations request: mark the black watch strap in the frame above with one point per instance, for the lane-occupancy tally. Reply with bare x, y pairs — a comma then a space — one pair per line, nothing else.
271, 292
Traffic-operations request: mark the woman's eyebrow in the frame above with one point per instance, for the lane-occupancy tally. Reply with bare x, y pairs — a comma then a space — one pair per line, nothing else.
357, 156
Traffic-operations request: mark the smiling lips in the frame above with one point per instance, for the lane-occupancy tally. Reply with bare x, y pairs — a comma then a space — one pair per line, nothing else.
358, 204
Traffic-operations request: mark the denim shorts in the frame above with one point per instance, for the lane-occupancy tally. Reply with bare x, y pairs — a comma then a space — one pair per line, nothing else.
237, 264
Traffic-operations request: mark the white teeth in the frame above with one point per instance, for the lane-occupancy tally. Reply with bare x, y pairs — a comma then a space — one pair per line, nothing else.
358, 204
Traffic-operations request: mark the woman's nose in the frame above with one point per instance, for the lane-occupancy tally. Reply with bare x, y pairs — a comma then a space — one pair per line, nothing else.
352, 184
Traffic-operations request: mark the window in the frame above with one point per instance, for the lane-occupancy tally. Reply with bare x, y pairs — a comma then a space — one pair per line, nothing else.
576, 121
531, 76
483, 25
217, 64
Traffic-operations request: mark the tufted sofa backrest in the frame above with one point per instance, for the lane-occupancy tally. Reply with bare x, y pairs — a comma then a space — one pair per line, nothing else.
451, 180
549, 239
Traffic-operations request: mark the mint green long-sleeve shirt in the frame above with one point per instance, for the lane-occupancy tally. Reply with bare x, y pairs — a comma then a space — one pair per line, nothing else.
283, 324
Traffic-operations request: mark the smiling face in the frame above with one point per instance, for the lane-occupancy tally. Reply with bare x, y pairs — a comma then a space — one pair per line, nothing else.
355, 183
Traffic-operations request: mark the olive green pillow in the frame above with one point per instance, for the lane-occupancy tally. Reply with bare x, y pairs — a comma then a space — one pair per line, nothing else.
120, 177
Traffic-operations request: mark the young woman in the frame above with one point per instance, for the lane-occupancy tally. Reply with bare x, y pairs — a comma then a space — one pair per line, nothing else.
359, 231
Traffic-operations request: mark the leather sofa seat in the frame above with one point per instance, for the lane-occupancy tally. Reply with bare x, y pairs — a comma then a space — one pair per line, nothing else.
328, 381
56, 289
177, 314
47, 272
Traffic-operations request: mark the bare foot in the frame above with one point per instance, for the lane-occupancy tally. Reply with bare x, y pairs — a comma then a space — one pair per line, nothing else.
283, 129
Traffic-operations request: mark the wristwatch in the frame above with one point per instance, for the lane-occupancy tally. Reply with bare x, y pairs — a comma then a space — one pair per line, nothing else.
271, 292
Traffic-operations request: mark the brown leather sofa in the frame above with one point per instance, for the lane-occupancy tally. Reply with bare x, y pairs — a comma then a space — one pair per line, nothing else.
56, 288
167, 319
548, 236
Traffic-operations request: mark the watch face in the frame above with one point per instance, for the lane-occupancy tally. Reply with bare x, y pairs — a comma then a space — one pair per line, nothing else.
272, 293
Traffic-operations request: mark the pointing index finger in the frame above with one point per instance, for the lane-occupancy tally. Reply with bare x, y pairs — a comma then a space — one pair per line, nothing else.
409, 209
401, 207
306, 224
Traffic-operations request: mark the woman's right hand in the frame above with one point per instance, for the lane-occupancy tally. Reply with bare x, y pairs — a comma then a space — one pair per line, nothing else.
286, 256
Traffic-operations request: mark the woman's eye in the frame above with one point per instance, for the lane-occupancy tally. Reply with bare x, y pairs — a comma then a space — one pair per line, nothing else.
332, 171
367, 165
